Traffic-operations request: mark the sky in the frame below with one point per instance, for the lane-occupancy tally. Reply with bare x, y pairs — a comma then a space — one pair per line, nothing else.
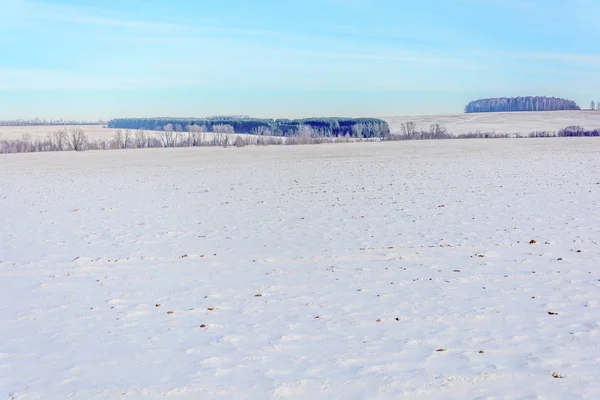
102, 59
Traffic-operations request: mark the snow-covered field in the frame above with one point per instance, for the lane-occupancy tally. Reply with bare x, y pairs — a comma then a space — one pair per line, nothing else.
93, 132
507, 122
512, 123
349, 271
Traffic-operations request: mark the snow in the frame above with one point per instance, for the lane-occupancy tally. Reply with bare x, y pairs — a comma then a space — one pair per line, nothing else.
323, 271
522, 123
507, 122
92, 132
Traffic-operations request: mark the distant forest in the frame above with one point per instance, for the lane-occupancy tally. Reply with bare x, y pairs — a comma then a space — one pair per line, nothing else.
320, 127
45, 122
530, 103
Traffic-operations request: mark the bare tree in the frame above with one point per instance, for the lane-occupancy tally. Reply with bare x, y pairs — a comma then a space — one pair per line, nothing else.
127, 138
101, 144
593, 105
321, 132
261, 131
178, 139
122, 139
61, 138
50, 143
26, 143
194, 137
376, 130
117, 139
358, 130
166, 136
77, 139
140, 140
220, 139
42, 144
409, 129
437, 131
305, 133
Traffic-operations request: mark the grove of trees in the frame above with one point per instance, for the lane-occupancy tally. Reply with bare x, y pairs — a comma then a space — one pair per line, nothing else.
529, 103
574, 131
320, 127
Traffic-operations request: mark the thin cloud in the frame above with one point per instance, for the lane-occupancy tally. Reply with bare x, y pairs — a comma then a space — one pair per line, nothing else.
568, 58
32, 9
102, 21
391, 55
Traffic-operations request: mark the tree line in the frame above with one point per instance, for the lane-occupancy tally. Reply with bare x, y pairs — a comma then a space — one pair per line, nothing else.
529, 103
74, 138
574, 131
410, 131
325, 127
46, 122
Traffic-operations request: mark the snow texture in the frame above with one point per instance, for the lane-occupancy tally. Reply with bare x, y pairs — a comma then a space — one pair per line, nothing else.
507, 122
520, 122
356, 271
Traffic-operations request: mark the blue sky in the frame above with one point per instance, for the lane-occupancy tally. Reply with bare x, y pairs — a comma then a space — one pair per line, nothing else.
99, 59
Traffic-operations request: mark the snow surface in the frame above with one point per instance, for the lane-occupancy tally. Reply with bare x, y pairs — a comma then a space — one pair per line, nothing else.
368, 258
506, 122
522, 122
92, 132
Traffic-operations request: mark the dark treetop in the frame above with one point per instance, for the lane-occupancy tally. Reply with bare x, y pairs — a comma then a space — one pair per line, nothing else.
529, 103
364, 127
